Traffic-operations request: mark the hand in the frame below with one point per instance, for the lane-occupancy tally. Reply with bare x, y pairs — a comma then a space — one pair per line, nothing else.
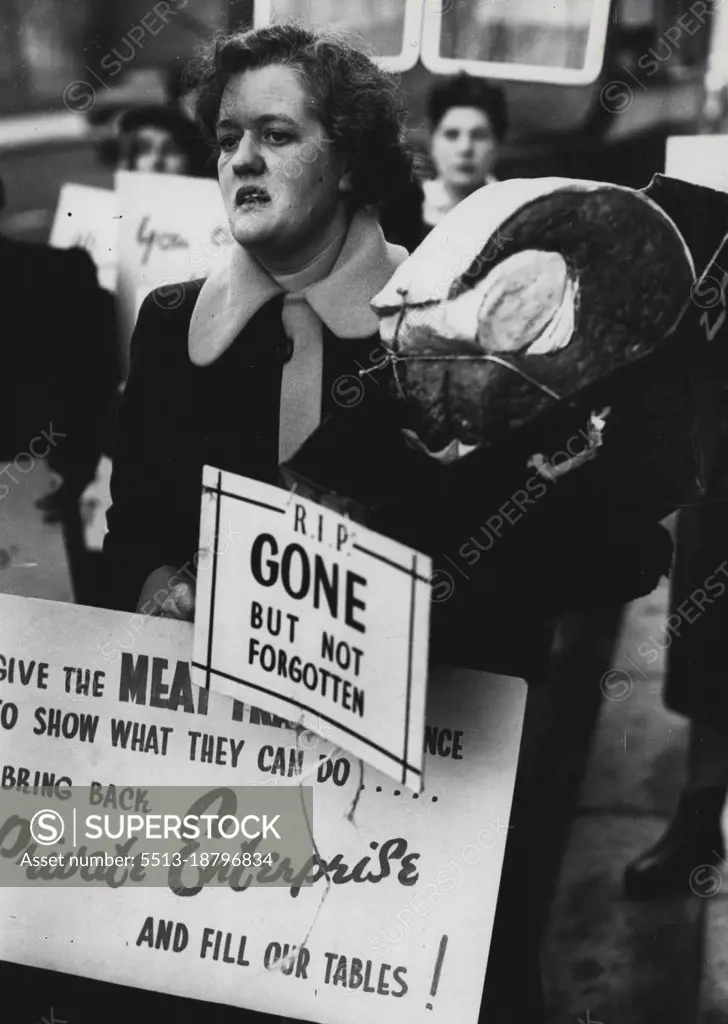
165, 595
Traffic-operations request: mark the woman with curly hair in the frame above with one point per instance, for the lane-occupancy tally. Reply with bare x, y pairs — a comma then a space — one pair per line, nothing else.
237, 371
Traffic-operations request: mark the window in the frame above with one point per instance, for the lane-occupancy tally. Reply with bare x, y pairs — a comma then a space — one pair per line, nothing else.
521, 40
674, 34
41, 51
391, 27
48, 45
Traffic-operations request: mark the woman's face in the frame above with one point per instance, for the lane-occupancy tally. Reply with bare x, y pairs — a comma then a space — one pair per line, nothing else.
280, 179
156, 150
464, 148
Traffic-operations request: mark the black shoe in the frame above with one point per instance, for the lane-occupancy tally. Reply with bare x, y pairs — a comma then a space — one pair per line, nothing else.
693, 840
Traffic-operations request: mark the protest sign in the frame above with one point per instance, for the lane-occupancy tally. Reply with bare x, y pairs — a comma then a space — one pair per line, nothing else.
396, 922
88, 217
699, 159
173, 229
315, 618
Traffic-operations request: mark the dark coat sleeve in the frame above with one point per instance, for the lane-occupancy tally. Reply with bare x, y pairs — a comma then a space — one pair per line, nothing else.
511, 551
60, 349
86, 369
147, 521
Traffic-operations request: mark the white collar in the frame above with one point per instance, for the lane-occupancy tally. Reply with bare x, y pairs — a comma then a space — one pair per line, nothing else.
239, 287
438, 201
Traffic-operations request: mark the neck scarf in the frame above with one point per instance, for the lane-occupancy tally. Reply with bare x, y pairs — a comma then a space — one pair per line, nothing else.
302, 376
340, 300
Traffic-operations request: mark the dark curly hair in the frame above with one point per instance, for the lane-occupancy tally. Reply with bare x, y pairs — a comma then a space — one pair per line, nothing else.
464, 91
359, 105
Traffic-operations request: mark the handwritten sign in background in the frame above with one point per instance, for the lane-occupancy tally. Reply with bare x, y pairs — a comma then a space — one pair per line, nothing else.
411, 945
89, 218
700, 159
173, 229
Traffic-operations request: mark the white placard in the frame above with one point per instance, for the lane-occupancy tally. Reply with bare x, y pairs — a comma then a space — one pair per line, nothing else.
699, 159
397, 923
315, 618
173, 229
88, 217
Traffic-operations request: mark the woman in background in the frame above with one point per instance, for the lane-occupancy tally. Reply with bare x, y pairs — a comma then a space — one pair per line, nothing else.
468, 121
161, 140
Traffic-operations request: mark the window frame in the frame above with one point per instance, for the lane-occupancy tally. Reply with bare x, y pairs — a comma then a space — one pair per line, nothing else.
408, 57
513, 72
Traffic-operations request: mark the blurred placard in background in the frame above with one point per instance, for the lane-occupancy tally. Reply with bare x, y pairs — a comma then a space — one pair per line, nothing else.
88, 217
173, 229
700, 159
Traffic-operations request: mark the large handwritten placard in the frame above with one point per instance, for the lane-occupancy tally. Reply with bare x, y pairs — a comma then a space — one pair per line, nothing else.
316, 618
396, 922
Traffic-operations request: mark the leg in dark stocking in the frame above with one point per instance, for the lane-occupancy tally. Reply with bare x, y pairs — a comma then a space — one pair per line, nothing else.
694, 837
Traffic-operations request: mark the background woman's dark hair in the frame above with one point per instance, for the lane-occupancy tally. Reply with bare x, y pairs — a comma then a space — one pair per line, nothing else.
185, 133
465, 91
360, 105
